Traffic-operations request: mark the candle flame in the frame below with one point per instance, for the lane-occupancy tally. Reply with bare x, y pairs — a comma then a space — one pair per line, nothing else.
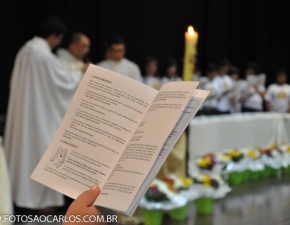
190, 30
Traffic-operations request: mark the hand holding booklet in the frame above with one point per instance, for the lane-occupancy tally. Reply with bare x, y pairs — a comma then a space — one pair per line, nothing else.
117, 133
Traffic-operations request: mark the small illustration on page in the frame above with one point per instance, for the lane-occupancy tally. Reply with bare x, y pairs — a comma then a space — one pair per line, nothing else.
58, 158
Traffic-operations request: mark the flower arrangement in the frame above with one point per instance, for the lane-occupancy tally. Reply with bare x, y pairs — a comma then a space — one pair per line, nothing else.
254, 163
177, 184
272, 158
235, 155
285, 148
253, 153
210, 187
236, 166
206, 181
159, 192
271, 151
159, 198
207, 162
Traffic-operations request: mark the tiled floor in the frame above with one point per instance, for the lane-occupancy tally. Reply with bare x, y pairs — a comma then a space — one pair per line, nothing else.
263, 202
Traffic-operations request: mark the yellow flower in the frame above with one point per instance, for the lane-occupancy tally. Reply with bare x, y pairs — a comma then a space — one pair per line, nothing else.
288, 149
235, 153
186, 182
203, 162
206, 181
252, 154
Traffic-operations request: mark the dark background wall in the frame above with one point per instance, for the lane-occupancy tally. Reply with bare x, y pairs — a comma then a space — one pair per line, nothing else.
242, 30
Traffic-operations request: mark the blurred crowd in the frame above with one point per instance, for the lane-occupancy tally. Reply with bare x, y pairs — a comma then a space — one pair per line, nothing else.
229, 93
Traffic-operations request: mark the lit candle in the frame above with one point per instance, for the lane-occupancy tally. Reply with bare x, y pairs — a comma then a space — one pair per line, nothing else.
191, 38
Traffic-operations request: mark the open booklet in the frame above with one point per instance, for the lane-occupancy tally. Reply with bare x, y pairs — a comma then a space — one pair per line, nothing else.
116, 133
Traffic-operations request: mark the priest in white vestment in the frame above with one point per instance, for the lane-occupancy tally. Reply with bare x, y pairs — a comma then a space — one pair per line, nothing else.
77, 48
40, 93
117, 62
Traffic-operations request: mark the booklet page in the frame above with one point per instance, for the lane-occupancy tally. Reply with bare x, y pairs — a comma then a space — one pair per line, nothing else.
145, 145
102, 117
192, 107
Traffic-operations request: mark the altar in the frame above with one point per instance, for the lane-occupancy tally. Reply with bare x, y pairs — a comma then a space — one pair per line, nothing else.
215, 133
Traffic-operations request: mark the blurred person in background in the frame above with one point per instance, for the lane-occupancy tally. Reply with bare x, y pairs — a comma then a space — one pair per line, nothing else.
76, 49
40, 92
197, 76
116, 61
225, 85
171, 72
150, 77
252, 100
209, 106
235, 93
277, 96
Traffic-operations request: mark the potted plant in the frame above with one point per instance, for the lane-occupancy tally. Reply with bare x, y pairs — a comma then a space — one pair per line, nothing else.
181, 186
159, 198
211, 187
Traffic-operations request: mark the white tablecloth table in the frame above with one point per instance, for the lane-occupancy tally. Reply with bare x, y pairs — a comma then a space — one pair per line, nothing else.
216, 133
5, 193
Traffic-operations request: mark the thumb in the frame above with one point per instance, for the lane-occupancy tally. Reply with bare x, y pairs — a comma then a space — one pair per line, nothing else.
88, 197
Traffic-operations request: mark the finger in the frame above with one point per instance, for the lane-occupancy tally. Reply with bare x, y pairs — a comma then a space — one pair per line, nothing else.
88, 197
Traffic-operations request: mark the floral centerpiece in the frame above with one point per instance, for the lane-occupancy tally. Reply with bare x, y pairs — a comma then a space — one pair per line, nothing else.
182, 186
285, 148
210, 187
159, 198
236, 166
207, 162
177, 184
272, 158
254, 163
155, 194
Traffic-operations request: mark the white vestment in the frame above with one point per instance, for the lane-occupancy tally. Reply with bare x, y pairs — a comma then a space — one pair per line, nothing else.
69, 62
40, 93
124, 67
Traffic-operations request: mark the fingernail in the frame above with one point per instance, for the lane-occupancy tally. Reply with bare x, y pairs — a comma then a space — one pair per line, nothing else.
94, 188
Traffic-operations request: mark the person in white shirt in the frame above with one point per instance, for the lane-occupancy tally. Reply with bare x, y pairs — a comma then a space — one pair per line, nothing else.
225, 85
197, 76
236, 92
210, 104
76, 49
171, 70
116, 61
40, 93
278, 95
253, 99
150, 73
